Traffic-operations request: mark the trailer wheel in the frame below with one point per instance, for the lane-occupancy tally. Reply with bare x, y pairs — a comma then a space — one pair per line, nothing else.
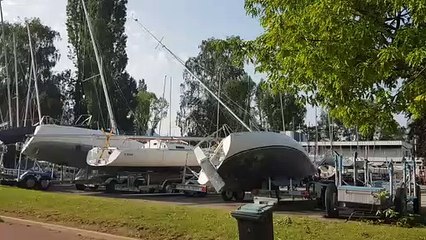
168, 188
239, 196
321, 198
110, 187
417, 202
44, 184
227, 195
29, 182
94, 187
80, 187
400, 201
331, 210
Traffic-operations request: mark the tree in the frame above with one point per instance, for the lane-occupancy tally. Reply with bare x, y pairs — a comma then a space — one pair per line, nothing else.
363, 60
46, 57
149, 110
270, 107
108, 18
218, 66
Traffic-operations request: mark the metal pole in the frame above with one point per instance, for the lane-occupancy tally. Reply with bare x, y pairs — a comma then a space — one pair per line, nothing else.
218, 106
170, 108
355, 169
316, 135
164, 90
9, 99
366, 172
195, 77
28, 98
282, 111
34, 74
98, 60
16, 81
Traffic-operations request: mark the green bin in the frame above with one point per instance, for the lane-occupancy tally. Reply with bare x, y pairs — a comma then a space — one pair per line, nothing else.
254, 222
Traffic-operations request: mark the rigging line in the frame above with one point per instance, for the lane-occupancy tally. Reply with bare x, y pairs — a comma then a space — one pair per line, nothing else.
183, 64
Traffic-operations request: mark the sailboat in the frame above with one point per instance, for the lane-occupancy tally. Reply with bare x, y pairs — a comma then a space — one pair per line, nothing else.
242, 161
69, 145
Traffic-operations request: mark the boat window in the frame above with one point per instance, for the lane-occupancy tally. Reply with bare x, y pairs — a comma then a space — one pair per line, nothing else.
180, 147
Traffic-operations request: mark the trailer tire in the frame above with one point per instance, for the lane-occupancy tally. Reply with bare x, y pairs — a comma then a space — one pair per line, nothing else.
417, 202
43, 184
168, 188
239, 196
110, 187
80, 187
94, 188
227, 195
400, 201
331, 210
29, 182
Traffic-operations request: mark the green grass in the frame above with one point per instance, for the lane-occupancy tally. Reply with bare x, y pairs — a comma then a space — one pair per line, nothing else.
149, 220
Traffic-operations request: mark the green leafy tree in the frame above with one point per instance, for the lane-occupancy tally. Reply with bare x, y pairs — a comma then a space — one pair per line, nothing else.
270, 106
46, 57
219, 66
363, 60
108, 18
149, 110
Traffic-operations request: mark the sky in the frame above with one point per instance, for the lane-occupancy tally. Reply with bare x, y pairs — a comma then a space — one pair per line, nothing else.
181, 24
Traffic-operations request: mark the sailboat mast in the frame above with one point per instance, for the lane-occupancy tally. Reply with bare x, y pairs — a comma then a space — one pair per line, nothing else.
98, 60
27, 102
34, 73
16, 81
170, 108
9, 99
282, 111
164, 90
195, 77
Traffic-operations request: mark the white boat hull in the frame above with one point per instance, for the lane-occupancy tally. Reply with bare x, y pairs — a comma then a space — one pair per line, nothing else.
142, 158
67, 145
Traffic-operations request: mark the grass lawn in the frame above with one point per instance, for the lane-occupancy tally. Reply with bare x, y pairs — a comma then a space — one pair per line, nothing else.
150, 220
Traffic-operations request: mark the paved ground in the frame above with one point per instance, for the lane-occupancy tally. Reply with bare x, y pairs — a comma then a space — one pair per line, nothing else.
19, 229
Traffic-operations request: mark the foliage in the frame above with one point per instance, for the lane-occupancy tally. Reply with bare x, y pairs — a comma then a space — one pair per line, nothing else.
363, 60
46, 57
108, 18
270, 108
150, 220
149, 110
218, 65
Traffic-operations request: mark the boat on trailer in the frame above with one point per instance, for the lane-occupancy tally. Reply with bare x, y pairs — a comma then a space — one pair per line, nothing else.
159, 153
246, 160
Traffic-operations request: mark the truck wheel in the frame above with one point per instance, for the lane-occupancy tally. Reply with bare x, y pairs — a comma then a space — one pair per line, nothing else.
331, 210
239, 196
400, 201
30, 182
417, 202
80, 187
110, 187
44, 184
227, 195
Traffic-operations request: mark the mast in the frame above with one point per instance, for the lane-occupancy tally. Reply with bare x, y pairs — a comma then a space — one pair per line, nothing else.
9, 99
98, 60
170, 108
195, 77
16, 81
34, 73
282, 111
164, 90
27, 102
218, 105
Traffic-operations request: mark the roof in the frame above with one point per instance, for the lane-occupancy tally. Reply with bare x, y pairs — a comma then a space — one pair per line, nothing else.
397, 143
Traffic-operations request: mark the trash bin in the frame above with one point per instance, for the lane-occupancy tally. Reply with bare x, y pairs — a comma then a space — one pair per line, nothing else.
254, 222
